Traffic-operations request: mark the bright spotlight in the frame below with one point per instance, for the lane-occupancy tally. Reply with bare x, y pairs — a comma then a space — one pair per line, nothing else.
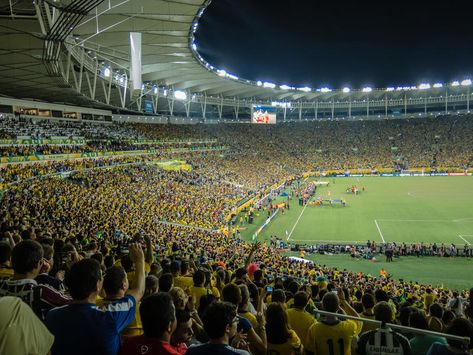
269, 85
390, 88
424, 86
106, 72
437, 85
455, 83
345, 90
367, 89
259, 83
466, 82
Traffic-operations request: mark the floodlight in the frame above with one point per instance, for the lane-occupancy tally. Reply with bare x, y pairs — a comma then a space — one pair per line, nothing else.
325, 90
106, 72
424, 86
155, 89
390, 88
259, 83
367, 89
455, 83
466, 82
285, 87
231, 76
305, 89
269, 85
221, 72
345, 90
194, 46
437, 85
165, 92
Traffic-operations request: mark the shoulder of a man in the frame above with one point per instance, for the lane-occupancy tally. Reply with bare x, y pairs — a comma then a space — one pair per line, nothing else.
204, 349
122, 311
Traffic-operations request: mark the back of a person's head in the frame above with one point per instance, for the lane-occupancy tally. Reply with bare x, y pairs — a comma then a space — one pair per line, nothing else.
461, 327
240, 272
293, 287
315, 290
151, 285
5, 252
381, 295
436, 310
205, 301
383, 312
157, 314
184, 267
113, 280
165, 282
258, 275
199, 278
82, 278
448, 316
330, 302
232, 293
417, 319
126, 262
48, 251
277, 329
301, 298
368, 301
217, 317
278, 296
26, 256
175, 267
245, 294
404, 314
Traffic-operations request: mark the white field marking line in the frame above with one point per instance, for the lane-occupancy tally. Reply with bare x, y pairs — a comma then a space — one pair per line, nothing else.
379, 230
427, 220
295, 224
466, 241
335, 242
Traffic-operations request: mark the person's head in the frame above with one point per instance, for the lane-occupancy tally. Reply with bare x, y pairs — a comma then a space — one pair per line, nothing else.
381, 295
199, 278
175, 268
184, 267
5, 253
166, 282
115, 282
447, 317
277, 329
404, 314
383, 312
436, 310
301, 298
258, 275
461, 327
220, 321
205, 301
368, 301
330, 302
245, 295
183, 332
232, 293
26, 258
241, 274
417, 319
158, 316
84, 279
179, 297
278, 296
151, 285
293, 287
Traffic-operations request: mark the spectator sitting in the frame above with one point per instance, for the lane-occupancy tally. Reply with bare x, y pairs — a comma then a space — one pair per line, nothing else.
183, 334
81, 327
281, 339
459, 327
299, 319
27, 261
421, 343
383, 340
220, 324
159, 322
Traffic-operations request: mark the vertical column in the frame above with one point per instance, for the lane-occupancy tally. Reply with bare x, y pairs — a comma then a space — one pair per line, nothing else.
135, 60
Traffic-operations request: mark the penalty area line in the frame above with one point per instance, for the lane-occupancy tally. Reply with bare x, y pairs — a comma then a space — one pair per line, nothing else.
295, 224
379, 230
466, 241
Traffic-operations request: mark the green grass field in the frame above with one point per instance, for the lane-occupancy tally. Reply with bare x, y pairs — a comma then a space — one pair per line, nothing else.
400, 209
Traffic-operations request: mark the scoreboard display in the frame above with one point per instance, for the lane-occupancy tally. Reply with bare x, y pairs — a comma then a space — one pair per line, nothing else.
263, 114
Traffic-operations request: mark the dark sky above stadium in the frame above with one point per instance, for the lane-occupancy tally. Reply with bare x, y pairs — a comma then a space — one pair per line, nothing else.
338, 43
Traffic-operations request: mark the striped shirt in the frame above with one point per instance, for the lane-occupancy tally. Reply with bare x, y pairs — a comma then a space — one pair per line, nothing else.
383, 341
41, 298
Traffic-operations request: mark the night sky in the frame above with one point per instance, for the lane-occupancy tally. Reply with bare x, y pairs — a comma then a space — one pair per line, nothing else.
338, 43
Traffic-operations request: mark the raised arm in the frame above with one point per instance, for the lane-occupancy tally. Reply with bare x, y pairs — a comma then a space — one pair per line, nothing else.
138, 258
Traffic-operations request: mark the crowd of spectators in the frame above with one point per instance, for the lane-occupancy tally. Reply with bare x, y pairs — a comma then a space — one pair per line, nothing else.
136, 260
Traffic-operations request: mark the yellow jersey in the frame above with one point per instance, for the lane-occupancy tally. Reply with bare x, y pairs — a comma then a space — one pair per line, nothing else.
332, 339
292, 346
300, 321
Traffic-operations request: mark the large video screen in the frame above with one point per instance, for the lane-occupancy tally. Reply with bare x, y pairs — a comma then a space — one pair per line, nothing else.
263, 114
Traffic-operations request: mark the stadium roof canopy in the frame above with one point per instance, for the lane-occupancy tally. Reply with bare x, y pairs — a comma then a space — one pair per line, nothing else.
78, 51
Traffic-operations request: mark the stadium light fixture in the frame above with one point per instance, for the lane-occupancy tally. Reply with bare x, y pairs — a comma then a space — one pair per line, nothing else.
424, 86
325, 90
305, 89
269, 85
346, 89
165, 92
194, 46
259, 83
106, 72
437, 85
155, 89
455, 83
231, 76
466, 82
367, 89
221, 72
390, 88
285, 87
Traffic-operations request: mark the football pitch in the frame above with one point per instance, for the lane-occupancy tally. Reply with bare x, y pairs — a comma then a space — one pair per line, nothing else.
391, 209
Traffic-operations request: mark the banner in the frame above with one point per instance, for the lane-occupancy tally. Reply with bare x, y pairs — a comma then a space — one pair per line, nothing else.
29, 141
